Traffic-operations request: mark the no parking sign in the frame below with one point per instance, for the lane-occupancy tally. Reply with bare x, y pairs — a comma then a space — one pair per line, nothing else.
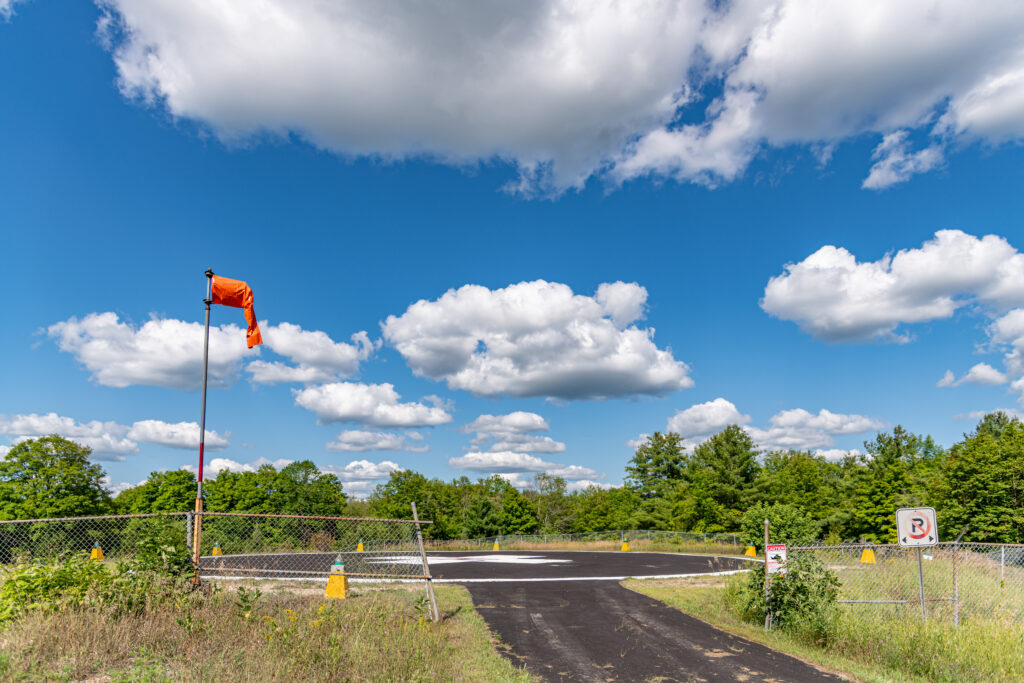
916, 527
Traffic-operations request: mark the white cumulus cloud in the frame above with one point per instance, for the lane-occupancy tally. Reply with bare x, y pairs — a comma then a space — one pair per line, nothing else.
838, 299
161, 352
513, 432
377, 405
107, 440
165, 352
361, 470
509, 462
895, 163
565, 91
700, 421
318, 357
795, 429
362, 440
536, 339
799, 429
215, 466
176, 435
980, 373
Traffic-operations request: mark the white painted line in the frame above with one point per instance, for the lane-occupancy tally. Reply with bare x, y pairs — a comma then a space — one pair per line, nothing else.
571, 578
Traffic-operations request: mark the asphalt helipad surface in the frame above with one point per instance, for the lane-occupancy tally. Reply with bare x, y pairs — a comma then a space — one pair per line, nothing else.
564, 616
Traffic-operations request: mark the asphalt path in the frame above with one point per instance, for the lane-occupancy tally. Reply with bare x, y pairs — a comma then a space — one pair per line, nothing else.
564, 617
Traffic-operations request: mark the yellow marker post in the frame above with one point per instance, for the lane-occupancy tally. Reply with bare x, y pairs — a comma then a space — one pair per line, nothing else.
216, 549
751, 551
625, 545
337, 582
359, 547
496, 545
868, 556
97, 553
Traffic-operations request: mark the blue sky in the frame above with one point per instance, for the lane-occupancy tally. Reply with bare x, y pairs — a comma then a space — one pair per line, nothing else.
139, 151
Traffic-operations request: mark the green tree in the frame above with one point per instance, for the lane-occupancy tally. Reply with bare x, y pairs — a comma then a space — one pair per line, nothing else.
172, 491
983, 485
657, 464
598, 509
298, 488
798, 478
786, 524
518, 515
435, 500
51, 477
901, 472
554, 507
482, 518
730, 459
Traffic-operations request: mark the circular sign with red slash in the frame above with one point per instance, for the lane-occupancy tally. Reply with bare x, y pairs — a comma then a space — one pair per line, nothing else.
916, 527
919, 527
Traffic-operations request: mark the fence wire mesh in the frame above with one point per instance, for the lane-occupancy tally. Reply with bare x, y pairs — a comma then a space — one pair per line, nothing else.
233, 545
300, 547
962, 581
120, 537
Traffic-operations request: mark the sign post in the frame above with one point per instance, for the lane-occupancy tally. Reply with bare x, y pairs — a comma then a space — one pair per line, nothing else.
767, 581
917, 528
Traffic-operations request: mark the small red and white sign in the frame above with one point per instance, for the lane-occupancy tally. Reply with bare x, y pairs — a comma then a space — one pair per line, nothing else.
775, 558
916, 527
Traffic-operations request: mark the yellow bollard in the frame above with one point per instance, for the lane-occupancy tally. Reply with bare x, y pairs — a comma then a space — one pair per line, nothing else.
751, 551
97, 553
625, 545
216, 549
496, 546
868, 556
337, 582
359, 547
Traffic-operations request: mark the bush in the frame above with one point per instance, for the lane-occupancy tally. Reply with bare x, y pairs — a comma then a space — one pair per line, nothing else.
802, 601
56, 585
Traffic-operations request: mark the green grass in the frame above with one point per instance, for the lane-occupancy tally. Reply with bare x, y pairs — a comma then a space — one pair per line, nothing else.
290, 633
867, 643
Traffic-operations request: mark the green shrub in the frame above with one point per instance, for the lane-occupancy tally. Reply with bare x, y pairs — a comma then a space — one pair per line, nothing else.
161, 554
802, 601
60, 584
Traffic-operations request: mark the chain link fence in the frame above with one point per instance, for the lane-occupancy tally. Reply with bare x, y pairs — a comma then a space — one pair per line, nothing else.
962, 581
233, 545
239, 545
639, 539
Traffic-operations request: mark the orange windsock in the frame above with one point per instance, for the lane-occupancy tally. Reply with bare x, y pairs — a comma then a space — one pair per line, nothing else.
235, 293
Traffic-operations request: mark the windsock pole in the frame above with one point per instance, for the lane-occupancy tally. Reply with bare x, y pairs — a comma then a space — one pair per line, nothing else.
198, 528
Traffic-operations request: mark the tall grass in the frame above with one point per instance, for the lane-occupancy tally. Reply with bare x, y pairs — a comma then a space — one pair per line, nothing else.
872, 642
292, 634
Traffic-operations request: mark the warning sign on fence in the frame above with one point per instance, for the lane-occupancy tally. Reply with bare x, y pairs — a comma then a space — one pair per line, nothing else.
916, 527
775, 559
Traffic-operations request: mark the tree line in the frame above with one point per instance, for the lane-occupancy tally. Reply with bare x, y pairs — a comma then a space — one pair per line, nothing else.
724, 484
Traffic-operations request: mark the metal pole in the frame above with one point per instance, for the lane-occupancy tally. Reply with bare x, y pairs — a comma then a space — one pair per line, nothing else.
434, 614
1002, 567
956, 577
920, 581
767, 611
198, 526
